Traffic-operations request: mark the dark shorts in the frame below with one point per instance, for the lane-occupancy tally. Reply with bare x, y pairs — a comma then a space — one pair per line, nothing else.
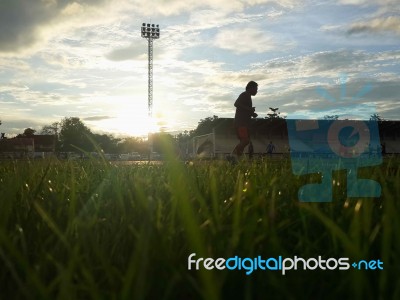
242, 133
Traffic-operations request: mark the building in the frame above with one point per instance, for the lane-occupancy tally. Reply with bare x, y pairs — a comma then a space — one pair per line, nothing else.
221, 141
28, 147
17, 148
45, 143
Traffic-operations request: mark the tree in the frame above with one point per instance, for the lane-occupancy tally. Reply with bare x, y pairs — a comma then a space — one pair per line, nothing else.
331, 117
74, 134
51, 129
274, 114
376, 117
205, 126
106, 142
184, 142
28, 132
165, 143
132, 144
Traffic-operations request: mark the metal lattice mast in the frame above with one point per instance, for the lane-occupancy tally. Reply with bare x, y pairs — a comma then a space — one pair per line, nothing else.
150, 88
150, 32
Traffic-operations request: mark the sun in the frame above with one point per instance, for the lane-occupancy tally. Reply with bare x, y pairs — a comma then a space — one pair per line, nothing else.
139, 126
125, 123
131, 118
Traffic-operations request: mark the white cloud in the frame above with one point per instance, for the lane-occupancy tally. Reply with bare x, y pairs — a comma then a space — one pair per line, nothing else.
94, 58
377, 25
368, 2
174, 7
244, 40
127, 53
207, 18
24, 23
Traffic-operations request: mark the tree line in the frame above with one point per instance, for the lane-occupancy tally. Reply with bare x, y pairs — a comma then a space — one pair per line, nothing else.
72, 135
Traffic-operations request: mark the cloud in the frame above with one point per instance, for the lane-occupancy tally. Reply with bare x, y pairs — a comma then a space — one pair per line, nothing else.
382, 3
127, 53
382, 16
97, 118
291, 82
244, 40
16, 126
19, 22
335, 61
306, 101
208, 18
174, 7
377, 25
23, 22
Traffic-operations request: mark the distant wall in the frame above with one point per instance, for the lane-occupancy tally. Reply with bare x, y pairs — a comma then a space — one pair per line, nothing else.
223, 139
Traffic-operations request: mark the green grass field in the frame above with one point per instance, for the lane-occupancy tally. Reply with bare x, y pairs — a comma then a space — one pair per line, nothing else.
99, 230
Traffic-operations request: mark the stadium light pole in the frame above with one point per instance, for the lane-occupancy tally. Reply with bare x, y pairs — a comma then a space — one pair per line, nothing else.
150, 32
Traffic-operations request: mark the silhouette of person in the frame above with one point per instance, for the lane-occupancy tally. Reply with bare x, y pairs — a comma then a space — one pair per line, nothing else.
383, 148
270, 148
244, 112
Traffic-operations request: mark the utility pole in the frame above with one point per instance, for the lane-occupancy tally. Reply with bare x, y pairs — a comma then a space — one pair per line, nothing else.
150, 32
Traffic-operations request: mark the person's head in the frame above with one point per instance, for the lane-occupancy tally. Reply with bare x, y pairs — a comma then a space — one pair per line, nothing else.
252, 88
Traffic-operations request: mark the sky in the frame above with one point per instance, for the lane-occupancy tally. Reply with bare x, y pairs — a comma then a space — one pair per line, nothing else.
87, 59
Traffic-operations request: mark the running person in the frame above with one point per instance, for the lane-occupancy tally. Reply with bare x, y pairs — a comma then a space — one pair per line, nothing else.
244, 112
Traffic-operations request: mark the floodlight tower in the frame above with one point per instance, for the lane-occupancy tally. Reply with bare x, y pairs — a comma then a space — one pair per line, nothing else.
150, 32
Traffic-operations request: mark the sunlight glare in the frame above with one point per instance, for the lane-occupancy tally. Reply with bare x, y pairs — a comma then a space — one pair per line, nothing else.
126, 124
141, 126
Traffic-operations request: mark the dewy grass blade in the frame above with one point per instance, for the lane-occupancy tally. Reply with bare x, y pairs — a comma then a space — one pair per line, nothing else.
125, 231
52, 225
334, 229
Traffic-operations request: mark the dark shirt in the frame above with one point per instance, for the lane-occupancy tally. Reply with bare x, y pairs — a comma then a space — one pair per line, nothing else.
244, 110
270, 148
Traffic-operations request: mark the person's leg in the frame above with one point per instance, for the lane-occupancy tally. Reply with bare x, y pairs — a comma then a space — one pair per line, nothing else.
240, 147
251, 150
243, 135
